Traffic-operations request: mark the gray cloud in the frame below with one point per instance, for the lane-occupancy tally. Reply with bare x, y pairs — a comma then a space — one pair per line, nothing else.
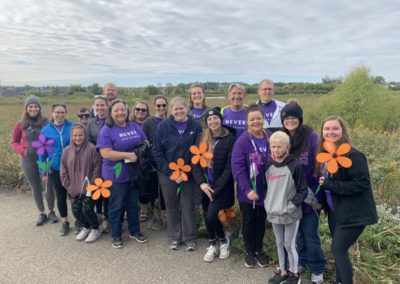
148, 40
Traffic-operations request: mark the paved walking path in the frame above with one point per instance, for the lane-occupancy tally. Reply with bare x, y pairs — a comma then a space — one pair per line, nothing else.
30, 254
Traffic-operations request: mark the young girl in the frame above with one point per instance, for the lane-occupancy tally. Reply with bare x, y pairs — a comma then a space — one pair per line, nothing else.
80, 165
349, 196
287, 189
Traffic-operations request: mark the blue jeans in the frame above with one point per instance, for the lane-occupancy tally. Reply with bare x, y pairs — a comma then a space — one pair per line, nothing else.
309, 244
123, 196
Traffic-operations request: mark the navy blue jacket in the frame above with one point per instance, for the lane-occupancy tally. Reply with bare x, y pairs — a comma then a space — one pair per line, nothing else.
169, 145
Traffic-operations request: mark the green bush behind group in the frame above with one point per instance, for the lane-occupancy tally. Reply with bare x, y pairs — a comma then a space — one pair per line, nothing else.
372, 113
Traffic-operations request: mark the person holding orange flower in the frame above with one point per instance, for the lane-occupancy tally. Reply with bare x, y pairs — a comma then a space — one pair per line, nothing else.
250, 155
346, 181
216, 181
172, 141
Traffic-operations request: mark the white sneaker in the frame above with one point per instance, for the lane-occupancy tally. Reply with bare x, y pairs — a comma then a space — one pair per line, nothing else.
224, 251
93, 236
210, 254
82, 234
317, 279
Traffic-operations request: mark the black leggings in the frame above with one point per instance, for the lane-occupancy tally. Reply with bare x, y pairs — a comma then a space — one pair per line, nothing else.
343, 238
82, 209
61, 193
214, 226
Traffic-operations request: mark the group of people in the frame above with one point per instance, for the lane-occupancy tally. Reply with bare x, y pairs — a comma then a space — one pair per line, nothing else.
264, 150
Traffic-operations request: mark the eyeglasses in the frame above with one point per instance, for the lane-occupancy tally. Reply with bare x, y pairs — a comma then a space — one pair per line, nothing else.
140, 109
291, 118
266, 89
162, 105
59, 112
84, 115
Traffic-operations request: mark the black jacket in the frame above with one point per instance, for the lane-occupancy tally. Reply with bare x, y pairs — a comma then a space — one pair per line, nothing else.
353, 202
223, 188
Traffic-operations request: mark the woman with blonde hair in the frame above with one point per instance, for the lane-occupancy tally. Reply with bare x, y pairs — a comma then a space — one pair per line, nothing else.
216, 182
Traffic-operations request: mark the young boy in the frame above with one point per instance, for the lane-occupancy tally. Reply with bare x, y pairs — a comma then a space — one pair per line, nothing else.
287, 189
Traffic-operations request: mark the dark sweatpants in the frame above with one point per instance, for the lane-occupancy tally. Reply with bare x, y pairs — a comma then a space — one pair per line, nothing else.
253, 228
83, 211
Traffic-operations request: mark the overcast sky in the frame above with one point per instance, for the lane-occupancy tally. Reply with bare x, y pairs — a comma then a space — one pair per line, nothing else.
141, 42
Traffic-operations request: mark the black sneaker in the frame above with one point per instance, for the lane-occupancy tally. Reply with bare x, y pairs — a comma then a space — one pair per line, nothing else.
293, 279
278, 278
139, 237
64, 229
262, 259
249, 260
117, 243
41, 220
52, 217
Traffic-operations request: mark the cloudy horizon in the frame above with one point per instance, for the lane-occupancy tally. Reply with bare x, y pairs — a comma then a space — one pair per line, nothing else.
140, 43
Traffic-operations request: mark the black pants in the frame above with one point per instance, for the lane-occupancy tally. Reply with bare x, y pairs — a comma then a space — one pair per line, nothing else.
83, 211
102, 206
61, 193
253, 228
343, 238
214, 226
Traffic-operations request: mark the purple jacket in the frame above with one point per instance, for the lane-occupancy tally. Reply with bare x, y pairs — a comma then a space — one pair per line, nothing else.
307, 162
241, 169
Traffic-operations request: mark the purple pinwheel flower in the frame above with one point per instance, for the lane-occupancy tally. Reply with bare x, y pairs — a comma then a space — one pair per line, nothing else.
43, 145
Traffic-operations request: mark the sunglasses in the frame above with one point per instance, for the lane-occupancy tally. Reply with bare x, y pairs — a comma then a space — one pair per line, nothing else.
57, 105
140, 109
162, 105
83, 115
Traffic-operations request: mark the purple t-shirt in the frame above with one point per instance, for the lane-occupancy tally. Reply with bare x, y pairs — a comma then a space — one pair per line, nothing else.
262, 146
101, 121
156, 119
59, 126
180, 126
235, 119
269, 110
122, 139
197, 112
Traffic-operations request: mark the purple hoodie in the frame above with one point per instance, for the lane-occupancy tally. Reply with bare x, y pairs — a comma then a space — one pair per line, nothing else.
241, 169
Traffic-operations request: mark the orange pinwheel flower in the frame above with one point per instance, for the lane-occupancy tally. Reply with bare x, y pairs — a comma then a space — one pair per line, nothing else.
179, 170
334, 156
100, 188
201, 154
224, 214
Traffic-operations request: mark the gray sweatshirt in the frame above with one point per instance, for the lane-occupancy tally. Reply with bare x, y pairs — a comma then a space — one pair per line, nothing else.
287, 189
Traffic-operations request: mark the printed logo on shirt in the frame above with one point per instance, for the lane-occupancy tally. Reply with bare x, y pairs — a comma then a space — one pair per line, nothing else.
128, 135
181, 131
235, 122
263, 150
271, 177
